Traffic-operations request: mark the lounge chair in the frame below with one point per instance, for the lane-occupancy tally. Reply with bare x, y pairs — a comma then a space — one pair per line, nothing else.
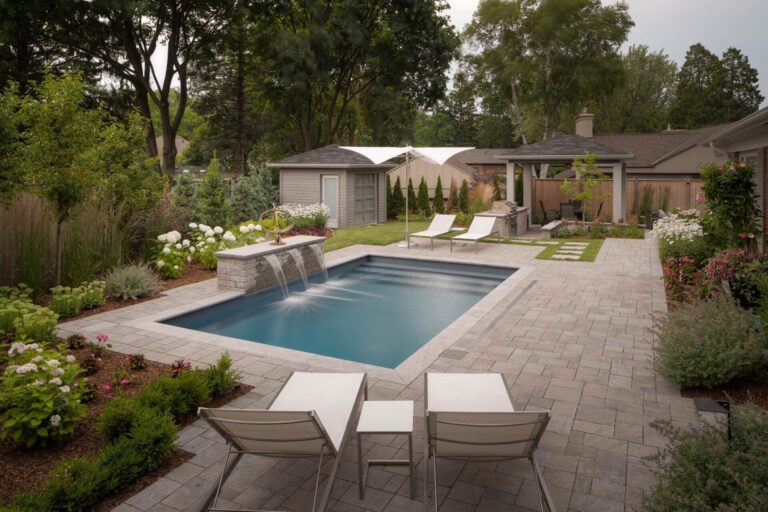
310, 417
440, 225
471, 416
481, 227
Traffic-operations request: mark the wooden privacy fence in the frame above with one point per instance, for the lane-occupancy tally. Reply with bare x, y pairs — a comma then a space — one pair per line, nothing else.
641, 194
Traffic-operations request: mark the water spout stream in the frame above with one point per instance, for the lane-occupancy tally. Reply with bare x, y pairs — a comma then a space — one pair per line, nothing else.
299, 260
320, 257
277, 268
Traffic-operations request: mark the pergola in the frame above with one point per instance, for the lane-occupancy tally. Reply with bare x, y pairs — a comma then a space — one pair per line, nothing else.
562, 150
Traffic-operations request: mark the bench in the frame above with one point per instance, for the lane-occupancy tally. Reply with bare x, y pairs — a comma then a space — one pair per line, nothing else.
550, 230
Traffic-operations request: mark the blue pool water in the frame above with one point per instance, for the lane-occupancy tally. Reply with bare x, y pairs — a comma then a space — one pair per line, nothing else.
375, 310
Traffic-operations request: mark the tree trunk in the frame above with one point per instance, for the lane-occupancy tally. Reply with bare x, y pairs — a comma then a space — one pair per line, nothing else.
59, 222
142, 102
518, 115
241, 150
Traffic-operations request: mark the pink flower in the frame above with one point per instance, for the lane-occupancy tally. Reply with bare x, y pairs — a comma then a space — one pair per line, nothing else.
107, 388
102, 337
699, 198
125, 382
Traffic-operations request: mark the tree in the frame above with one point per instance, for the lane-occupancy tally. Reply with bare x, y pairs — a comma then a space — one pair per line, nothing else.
546, 57
712, 90
124, 36
184, 192
70, 155
422, 200
437, 202
398, 199
640, 103
453, 198
388, 196
325, 56
254, 194
463, 198
412, 205
589, 178
211, 203
461, 107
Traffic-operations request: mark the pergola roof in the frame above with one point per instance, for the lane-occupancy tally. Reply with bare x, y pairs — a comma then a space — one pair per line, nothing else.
331, 156
564, 149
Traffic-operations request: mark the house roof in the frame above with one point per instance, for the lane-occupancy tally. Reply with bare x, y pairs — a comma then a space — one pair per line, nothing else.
649, 149
453, 162
180, 142
482, 156
331, 156
564, 148
728, 131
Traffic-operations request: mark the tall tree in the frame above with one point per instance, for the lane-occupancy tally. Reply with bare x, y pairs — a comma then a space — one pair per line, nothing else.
712, 90
641, 102
546, 57
124, 36
461, 107
325, 56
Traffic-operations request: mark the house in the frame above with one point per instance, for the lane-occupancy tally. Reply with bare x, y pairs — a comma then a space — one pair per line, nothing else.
747, 139
671, 154
180, 142
351, 185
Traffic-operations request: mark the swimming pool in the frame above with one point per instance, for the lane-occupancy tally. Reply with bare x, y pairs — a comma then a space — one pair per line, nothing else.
376, 310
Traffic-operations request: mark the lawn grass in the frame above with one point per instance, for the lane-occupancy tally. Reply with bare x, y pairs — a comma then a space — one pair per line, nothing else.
375, 234
590, 252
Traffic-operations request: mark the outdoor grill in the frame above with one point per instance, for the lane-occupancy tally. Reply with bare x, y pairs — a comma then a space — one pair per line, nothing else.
511, 220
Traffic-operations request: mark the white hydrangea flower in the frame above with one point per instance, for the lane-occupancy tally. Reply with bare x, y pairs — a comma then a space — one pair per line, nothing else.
193, 225
210, 240
185, 243
162, 238
26, 368
33, 346
173, 236
218, 230
210, 233
55, 420
38, 359
244, 229
229, 237
192, 250
71, 359
160, 263
178, 246
189, 259
175, 267
58, 371
64, 389
38, 382
17, 348
55, 381
252, 227
53, 363
259, 228
166, 250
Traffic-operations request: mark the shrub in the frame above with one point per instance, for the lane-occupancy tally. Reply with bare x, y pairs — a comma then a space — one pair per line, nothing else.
40, 395
131, 282
708, 343
27, 320
681, 276
137, 362
681, 234
211, 203
422, 200
398, 200
462, 201
702, 470
453, 198
749, 285
437, 202
19, 292
120, 416
412, 201
253, 194
220, 377
66, 301
307, 215
91, 364
177, 396
76, 342
171, 255
92, 294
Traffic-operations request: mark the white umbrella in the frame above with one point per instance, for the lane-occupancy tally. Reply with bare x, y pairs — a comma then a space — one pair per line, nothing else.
381, 154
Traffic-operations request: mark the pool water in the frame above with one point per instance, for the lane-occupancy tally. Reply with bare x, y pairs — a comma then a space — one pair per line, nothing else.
375, 310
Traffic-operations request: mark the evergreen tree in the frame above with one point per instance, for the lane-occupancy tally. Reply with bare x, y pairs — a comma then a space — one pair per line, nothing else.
211, 204
411, 197
464, 197
398, 199
183, 192
388, 196
253, 194
453, 198
422, 201
437, 202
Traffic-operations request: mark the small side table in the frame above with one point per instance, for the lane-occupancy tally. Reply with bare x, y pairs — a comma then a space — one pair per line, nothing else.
385, 417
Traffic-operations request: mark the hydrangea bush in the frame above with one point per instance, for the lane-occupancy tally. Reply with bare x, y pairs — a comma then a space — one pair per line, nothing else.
171, 256
40, 395
313, 215
681, 234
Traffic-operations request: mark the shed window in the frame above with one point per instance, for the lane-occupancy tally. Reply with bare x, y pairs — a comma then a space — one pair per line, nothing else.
365, 198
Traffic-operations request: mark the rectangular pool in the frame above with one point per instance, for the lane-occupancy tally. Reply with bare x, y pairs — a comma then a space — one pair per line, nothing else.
375, 310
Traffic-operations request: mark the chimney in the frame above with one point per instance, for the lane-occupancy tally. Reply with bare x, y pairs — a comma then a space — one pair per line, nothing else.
584, 123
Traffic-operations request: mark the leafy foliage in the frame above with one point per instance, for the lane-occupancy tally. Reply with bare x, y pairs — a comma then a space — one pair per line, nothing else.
412, 201
589, 178
131, 282
704, 470
27, 320
453, 198
709, 343
254, 194
437, 203
422, 200
462, 202
398, 199
211, 203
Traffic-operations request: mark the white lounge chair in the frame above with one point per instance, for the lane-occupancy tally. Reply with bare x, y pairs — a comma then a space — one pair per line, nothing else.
440, 225
481, 227
310, 417
471, 416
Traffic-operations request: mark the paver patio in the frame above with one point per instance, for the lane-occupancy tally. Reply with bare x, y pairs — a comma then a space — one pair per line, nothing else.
572, 337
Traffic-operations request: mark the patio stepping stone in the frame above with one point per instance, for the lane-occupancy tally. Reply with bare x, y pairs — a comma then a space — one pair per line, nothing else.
570, 257
548, 243
576, 244
570, 251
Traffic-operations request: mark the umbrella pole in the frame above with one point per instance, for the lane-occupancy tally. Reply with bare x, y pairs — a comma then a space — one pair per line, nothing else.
407, 177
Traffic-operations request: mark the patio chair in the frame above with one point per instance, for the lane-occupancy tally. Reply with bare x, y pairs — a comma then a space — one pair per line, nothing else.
470, 416
439, 226
481, 227
578, 209
310, 417
567, 211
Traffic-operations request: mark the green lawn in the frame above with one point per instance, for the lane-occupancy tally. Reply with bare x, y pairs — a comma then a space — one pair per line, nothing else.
376, 234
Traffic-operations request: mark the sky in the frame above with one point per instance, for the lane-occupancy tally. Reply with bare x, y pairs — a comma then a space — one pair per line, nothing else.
674, 25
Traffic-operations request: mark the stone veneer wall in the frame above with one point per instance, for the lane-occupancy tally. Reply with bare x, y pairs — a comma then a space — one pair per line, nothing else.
251, 272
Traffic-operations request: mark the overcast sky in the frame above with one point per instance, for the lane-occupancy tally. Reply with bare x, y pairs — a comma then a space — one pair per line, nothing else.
674, 25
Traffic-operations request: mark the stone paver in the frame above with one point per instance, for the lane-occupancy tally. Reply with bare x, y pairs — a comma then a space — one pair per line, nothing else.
572, 340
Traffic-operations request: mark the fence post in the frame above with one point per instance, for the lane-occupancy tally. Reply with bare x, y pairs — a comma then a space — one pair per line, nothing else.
687, 194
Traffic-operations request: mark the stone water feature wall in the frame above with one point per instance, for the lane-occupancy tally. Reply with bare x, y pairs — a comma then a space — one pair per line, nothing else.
247, 269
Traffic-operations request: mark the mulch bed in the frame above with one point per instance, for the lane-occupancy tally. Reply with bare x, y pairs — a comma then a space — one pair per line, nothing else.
736, 392
26, 470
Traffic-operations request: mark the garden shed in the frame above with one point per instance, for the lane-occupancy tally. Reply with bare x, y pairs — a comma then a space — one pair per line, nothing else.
350, 184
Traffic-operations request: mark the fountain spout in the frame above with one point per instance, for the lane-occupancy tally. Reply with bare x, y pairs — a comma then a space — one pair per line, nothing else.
277, 268
299, 260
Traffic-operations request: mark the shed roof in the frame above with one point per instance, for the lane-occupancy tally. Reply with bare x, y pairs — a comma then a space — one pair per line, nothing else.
331, 156
482, 156
564, 148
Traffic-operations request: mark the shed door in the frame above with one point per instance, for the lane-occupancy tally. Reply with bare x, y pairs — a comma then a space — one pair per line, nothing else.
330, 196
365, 199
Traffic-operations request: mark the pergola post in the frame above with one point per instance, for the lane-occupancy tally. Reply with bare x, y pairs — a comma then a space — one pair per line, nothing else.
528, 189
619, 192
510, 181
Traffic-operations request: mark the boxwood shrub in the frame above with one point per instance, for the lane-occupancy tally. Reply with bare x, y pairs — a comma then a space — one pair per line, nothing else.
709, 343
